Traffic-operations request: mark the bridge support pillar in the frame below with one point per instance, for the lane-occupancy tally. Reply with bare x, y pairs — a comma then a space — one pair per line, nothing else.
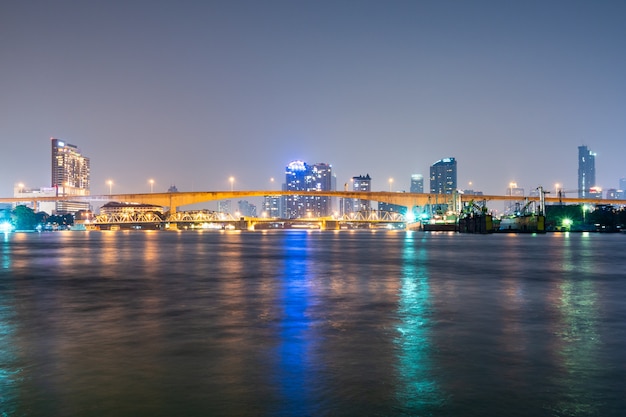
330, 225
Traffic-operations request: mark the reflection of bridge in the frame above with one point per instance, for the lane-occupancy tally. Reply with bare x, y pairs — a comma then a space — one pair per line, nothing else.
180, 199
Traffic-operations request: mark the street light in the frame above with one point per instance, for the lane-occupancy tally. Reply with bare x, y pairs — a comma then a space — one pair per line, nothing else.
21, 187
151, 185
390, 183
110, 186
232, 182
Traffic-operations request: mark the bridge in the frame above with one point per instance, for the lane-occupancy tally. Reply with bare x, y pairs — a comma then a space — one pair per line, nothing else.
207, 219
174, 200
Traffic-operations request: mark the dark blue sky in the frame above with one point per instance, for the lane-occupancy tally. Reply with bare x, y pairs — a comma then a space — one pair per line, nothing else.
193, 92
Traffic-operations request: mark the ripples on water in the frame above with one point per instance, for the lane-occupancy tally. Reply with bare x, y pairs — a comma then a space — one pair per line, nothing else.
312, 324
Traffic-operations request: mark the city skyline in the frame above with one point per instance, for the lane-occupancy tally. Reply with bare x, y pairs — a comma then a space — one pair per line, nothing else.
197, 94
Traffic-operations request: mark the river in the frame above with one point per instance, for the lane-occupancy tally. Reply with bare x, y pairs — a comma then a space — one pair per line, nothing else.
312, 323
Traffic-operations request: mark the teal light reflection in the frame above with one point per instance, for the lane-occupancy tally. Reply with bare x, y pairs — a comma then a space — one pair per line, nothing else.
417, 390
9, 373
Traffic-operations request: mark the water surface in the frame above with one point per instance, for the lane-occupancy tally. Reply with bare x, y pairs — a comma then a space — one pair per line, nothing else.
310, 323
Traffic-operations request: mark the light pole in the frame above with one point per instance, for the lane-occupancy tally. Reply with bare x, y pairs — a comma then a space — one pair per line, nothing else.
232, 182
151, 185
390, 184
21, 187
110, 186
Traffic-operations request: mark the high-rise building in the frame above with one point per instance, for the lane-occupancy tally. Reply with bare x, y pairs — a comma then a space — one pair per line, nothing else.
361, 183
417, 183
70, 175
586, 171
70, 169
513, 207
246, 208
224, 206
271, 206
302, 177
443, 176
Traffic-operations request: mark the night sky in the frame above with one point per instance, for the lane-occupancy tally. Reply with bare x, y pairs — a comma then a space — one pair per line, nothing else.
189, 93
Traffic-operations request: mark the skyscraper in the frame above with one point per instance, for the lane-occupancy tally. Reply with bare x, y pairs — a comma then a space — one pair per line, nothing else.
70, 175
302, 177
443, 176
361, 183
417, 183
586, 171
70, 169
621, 193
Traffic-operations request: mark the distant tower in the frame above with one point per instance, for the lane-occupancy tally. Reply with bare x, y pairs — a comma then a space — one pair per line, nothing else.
586, 171
443, 176
70, 175
417, 183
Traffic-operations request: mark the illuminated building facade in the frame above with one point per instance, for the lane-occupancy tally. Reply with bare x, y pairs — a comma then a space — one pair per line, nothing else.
114, 207
70, 175
360, 183
586, 171
443, 176
300, 176
417, 183
271, 206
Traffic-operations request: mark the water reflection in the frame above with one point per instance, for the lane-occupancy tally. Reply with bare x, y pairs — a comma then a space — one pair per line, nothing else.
10, 373
294, 324
417, 391
576, 330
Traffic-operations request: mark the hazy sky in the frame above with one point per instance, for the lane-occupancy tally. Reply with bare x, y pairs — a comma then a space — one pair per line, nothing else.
193, 92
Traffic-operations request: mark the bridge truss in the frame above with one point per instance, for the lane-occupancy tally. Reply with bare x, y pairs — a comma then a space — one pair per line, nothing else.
212, 217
